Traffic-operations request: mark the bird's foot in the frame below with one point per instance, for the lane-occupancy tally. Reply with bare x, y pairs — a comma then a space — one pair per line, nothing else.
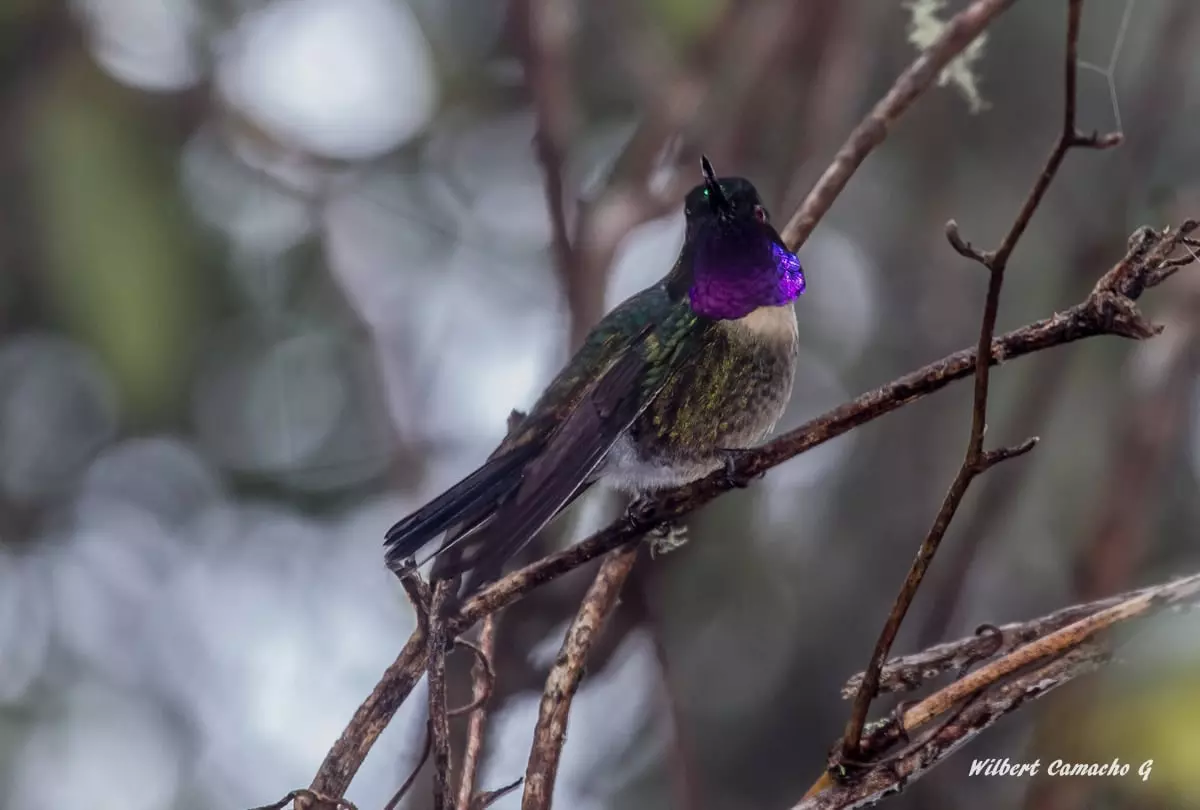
733, 476
662, 538
639, 510
666, 538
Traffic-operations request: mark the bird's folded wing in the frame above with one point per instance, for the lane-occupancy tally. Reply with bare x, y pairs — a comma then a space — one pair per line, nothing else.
573, 452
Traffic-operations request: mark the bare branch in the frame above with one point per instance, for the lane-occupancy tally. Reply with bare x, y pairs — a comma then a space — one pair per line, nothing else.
893, 776
978, 700
439, 717
990, 458
546, 58
976, 459
909, 672
959, 32
1053, 644
551, 730
483, 676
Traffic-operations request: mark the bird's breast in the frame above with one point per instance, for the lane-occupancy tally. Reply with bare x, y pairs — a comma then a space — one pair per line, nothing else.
773, 325
729, 396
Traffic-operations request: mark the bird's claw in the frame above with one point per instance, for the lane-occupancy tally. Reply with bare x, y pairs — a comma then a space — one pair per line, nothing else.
666, 538
662, 538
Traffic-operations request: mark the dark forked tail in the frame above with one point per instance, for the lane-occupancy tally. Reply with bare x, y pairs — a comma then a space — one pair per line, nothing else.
463, 507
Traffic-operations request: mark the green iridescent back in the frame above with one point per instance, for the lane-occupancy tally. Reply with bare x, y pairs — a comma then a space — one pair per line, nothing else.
674, 327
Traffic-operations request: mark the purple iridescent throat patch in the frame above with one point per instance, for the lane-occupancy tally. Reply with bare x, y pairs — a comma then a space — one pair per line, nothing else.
731, 279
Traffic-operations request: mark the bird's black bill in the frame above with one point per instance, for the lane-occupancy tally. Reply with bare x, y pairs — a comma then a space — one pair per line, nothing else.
716, 195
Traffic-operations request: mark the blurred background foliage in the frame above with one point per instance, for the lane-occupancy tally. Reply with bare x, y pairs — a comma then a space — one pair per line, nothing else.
273, 272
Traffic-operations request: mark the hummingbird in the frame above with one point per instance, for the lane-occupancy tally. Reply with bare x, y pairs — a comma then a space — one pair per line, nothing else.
672, 385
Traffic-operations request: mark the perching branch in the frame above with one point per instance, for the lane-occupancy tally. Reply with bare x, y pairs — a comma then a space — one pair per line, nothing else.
964, 708
1105, 311
977, 460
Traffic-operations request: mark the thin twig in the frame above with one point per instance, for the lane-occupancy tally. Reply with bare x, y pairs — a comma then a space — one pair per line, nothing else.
976, 459
483, 681
406, 786
483, 675
960, 31
490, 797
551, 730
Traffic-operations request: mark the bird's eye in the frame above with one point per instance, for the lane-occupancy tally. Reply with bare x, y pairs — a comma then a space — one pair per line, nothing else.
760, 213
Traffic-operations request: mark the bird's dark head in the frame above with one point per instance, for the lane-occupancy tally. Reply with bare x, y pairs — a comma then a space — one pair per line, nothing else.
738, 261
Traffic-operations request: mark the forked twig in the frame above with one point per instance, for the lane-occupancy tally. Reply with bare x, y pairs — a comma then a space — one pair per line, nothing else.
1160, 74
977, 460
